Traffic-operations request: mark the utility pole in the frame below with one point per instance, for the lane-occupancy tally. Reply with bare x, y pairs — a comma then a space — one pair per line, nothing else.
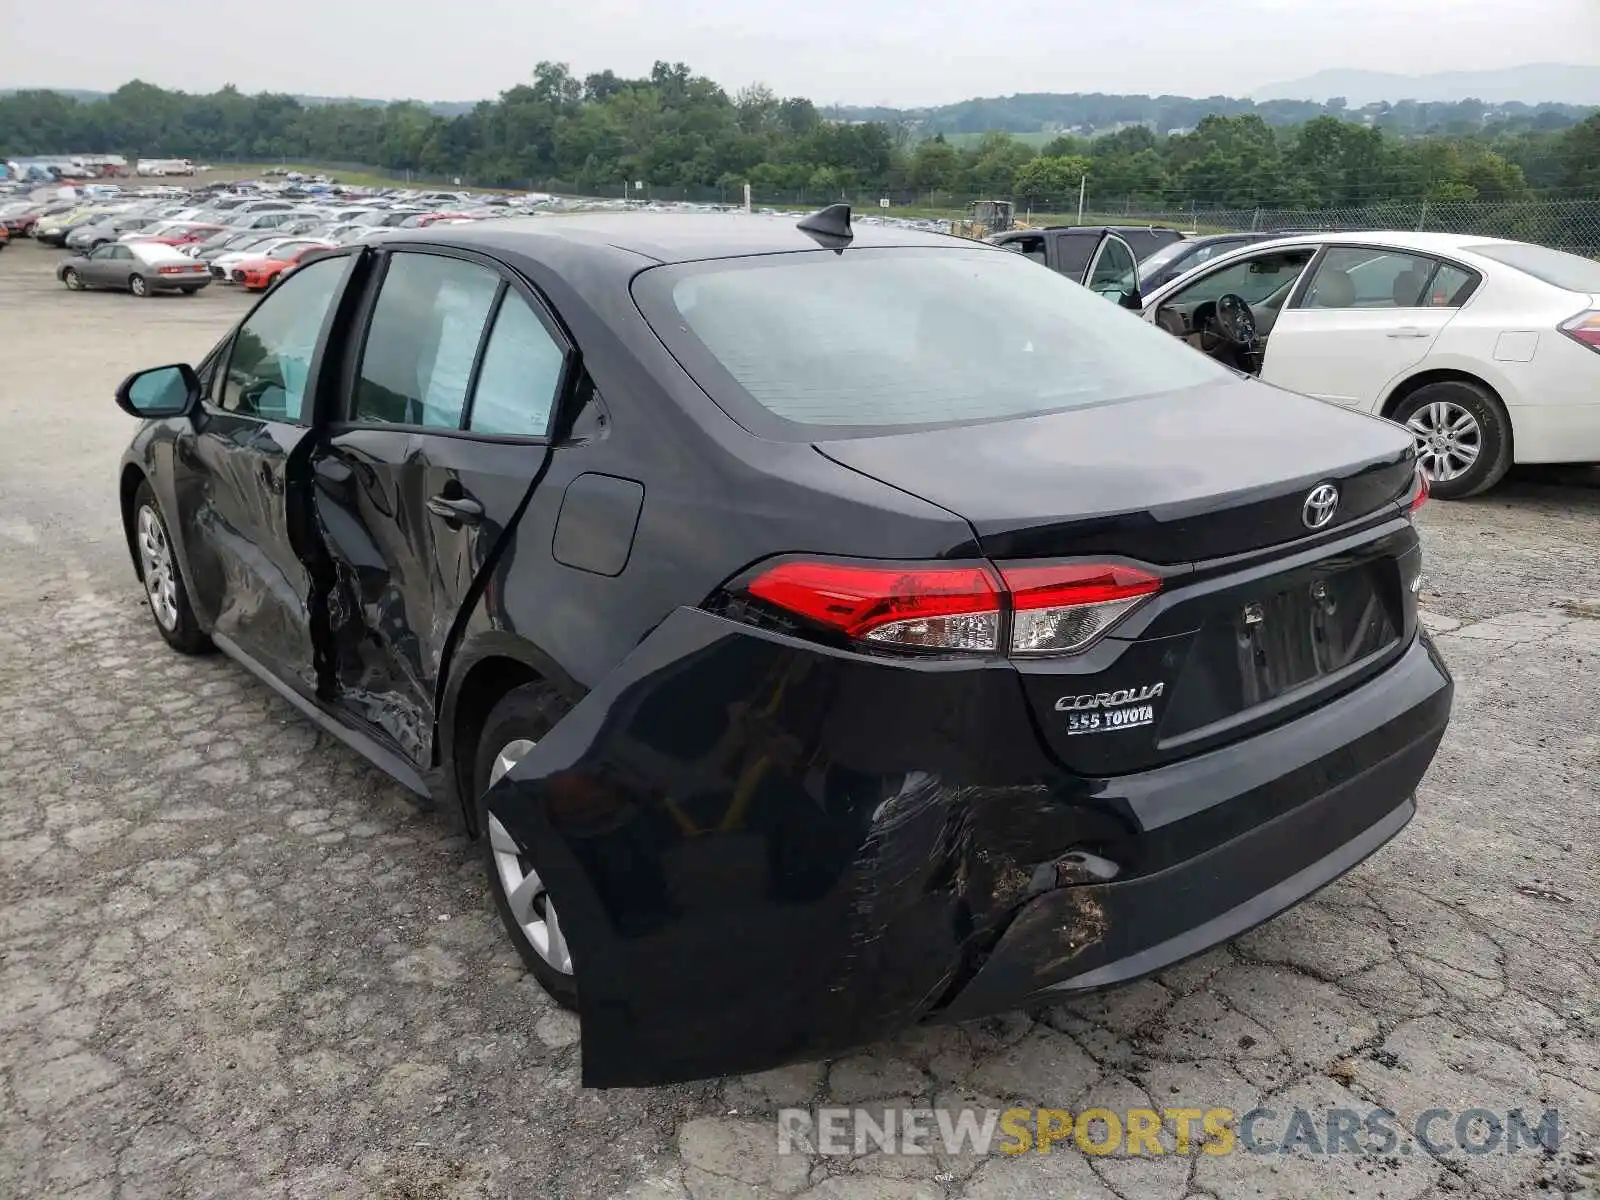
1083, 191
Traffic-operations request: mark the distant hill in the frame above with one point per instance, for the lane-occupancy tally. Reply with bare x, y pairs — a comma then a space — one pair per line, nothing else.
1089, 113
1537, 83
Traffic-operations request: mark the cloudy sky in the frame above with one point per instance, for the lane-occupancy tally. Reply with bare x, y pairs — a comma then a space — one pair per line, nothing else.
899, 52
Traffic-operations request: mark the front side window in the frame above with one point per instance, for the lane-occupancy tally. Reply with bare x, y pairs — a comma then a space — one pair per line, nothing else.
417, 361
1359, 277
1254, 280
271, 360
520, 374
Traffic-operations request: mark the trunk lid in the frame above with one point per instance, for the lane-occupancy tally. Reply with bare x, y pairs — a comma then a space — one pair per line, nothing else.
1168, 479
1259, 617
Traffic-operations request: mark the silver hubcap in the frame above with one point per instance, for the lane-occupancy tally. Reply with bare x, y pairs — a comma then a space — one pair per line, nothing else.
73, 281
160, 581
137, 285
1448, 439
529, 902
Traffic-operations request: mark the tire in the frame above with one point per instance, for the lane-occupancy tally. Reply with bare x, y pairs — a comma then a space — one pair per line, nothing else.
73, 280
1449, 418
138, 286
523, 715
165, 591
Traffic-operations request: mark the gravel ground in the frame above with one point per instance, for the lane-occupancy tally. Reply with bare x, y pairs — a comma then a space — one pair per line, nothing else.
236, 961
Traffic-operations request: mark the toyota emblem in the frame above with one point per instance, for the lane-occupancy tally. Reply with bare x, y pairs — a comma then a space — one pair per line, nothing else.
1320, 506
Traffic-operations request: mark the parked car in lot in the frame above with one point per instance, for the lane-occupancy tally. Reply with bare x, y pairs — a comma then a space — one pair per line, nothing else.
1486, 350
223, 265
821, 629
143, 268
256, 274
107, 229
1103, 258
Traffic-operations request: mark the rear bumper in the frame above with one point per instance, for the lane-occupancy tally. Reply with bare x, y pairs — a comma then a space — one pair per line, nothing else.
765, 851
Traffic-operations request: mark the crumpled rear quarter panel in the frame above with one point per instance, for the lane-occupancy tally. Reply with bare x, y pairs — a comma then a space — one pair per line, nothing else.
764, 850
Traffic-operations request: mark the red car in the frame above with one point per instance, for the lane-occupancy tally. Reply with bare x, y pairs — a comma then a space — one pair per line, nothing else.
258, 274
184, 235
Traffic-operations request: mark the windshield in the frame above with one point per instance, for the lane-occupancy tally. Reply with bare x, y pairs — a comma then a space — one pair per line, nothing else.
1555, 267
908, 337
1162, 257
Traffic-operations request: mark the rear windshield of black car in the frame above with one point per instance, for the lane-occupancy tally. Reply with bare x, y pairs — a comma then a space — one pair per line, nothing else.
1555, 267
898, 338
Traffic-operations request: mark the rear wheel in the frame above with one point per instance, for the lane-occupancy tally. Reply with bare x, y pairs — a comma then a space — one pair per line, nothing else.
72, 279
526, 907
1462, 435
163, 582
138, 286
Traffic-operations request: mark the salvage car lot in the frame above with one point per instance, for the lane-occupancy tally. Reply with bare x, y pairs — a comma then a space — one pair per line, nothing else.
237, 961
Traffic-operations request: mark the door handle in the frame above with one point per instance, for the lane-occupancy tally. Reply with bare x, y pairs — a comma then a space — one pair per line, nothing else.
1409, 331
462, 509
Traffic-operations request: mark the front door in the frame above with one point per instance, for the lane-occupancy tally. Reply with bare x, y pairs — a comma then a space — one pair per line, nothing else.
1113, 272
108, 265
241, 480
440, 442
1362, 321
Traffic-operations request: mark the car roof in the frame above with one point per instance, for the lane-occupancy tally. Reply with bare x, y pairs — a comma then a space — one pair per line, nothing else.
156, 251
670, 237
1399, 239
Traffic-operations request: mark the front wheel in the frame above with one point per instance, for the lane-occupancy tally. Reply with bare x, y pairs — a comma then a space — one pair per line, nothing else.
138, 286
163, 582
526, 907
72, 279
1462, 435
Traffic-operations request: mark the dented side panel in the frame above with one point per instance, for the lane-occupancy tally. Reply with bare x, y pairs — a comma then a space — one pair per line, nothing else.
764, 850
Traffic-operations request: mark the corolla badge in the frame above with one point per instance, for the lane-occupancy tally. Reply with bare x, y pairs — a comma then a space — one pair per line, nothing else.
1104, 712
1321, 503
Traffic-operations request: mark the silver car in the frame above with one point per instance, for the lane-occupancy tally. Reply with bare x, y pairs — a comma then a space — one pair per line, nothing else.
143, 268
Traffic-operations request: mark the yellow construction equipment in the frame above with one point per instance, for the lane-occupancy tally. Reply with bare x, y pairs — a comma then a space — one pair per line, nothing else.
986, 218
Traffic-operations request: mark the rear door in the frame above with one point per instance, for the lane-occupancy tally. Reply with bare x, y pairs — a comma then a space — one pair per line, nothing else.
1363, 318
446, 409
243, 480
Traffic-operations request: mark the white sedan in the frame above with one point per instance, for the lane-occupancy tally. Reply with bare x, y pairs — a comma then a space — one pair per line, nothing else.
1487, 350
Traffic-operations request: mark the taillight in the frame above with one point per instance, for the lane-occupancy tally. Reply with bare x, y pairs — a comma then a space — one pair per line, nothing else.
1419, 493
1064, 607
171, 270
910, 606
1585, 328
1051, 608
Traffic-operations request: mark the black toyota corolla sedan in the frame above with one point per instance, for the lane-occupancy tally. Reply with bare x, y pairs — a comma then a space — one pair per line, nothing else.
820, 630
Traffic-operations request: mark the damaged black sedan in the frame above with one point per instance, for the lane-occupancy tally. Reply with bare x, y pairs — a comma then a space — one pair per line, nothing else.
821, 630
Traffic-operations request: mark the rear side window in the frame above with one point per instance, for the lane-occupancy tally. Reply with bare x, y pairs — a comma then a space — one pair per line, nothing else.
521, 371
417, 361
896, 338
1358, 277
1555, 267
1449, 287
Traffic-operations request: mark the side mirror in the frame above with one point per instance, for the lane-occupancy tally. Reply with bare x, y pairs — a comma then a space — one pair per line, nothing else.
160, 392
1133, 299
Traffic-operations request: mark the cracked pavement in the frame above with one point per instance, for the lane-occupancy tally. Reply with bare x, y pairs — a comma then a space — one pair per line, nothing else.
236, 961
